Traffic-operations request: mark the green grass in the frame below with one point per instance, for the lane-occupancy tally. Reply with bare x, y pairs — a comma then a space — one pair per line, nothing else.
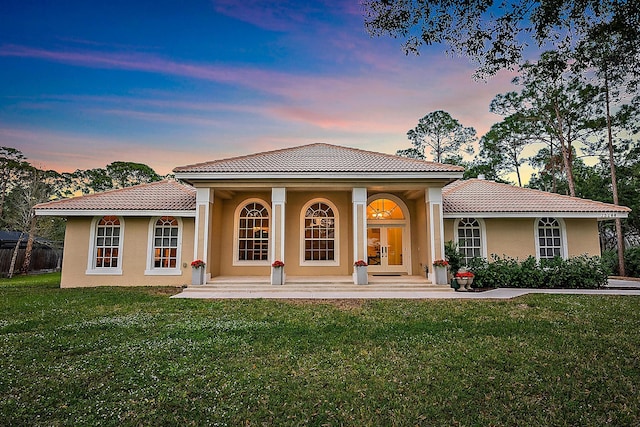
133, 356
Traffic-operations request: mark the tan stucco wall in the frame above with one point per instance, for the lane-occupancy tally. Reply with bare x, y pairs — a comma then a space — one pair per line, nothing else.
224, 226
515, 237
583, 237
134, 256
420, 238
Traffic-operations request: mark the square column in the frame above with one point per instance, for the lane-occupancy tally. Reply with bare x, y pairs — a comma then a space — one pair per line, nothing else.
204, 202
277, 234
359, 200
278, 201
433, 200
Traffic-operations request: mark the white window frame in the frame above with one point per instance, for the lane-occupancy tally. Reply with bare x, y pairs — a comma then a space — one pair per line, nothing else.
336, 235
563, 237
92, 255
236, 237
483, 235
152, 270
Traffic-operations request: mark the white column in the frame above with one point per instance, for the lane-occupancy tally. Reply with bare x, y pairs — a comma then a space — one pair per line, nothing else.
278, 201
359, 199
433, 200
204, 202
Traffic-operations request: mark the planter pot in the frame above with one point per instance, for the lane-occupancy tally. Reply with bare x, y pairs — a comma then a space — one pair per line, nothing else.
277, 275
360, 276
197, 276
462, 281
441, 275
454, 284
469, 282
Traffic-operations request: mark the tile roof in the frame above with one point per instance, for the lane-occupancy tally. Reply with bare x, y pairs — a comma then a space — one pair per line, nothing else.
161, 195
484, 196
317, 158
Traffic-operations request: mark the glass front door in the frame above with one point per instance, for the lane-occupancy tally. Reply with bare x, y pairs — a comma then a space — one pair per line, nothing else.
385, 249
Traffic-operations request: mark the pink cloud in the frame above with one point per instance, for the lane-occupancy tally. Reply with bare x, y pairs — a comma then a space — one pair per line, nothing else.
148, 63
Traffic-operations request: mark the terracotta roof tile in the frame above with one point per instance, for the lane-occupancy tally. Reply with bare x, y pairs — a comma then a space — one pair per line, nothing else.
483, 196
161, 195
318, 158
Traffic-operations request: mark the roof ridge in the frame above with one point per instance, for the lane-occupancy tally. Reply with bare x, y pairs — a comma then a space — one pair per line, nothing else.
246, 156
337, 148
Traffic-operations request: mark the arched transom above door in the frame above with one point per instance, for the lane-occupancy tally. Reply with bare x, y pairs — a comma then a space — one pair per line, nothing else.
381, 209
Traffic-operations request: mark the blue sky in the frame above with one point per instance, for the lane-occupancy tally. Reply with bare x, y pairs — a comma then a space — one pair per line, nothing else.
165, 83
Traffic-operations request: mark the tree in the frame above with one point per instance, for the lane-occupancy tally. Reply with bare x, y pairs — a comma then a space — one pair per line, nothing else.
494, 33
555, 107
503, 145
24, 197
612, 60
12, 167
126, 174
443, 135
115, 175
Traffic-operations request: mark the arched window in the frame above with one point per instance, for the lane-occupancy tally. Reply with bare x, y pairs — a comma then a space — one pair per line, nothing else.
164, 250
106, 246
252, 232
108, 242
165, 243
469, 238
550, 238
320, 232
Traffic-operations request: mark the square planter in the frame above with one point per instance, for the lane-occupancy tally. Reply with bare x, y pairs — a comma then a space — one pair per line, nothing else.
360, 275
441, 275
197, 276
277, 275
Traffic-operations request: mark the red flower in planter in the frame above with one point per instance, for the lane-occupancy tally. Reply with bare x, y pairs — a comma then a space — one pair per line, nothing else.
198, 264
277, 264
440, 263
465, 274
360, 263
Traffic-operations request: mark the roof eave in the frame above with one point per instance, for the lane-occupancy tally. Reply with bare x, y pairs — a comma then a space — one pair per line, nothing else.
600, 216
195, 176
117, 212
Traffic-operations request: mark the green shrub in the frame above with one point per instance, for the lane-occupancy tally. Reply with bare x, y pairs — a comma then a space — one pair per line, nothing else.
631, 262
580, 272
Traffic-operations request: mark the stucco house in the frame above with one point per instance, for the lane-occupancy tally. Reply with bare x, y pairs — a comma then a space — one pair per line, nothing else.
318, 208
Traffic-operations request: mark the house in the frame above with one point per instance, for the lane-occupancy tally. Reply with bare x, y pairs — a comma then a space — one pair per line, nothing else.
318, 208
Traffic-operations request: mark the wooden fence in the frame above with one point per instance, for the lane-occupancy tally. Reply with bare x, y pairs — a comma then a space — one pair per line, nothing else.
41, 259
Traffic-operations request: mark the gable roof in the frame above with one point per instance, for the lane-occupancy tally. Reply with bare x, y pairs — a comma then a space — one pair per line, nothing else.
317, 159
479, 197
167, 197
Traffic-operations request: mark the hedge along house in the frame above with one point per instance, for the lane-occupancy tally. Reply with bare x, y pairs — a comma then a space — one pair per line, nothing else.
317, 208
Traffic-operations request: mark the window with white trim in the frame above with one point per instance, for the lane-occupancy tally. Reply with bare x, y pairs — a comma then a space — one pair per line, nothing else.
253, 232
549, 238
165, 243
107, 243
469, 238
319, 232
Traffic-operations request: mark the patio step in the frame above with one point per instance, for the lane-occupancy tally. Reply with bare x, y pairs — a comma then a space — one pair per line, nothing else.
317, 285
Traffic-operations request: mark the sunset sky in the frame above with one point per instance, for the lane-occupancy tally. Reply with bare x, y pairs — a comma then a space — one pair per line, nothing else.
167, 83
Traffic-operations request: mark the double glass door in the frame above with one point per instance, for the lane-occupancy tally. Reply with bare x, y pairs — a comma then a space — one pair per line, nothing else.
385, 249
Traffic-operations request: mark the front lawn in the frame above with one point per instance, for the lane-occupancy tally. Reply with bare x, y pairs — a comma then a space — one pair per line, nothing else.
132, 356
